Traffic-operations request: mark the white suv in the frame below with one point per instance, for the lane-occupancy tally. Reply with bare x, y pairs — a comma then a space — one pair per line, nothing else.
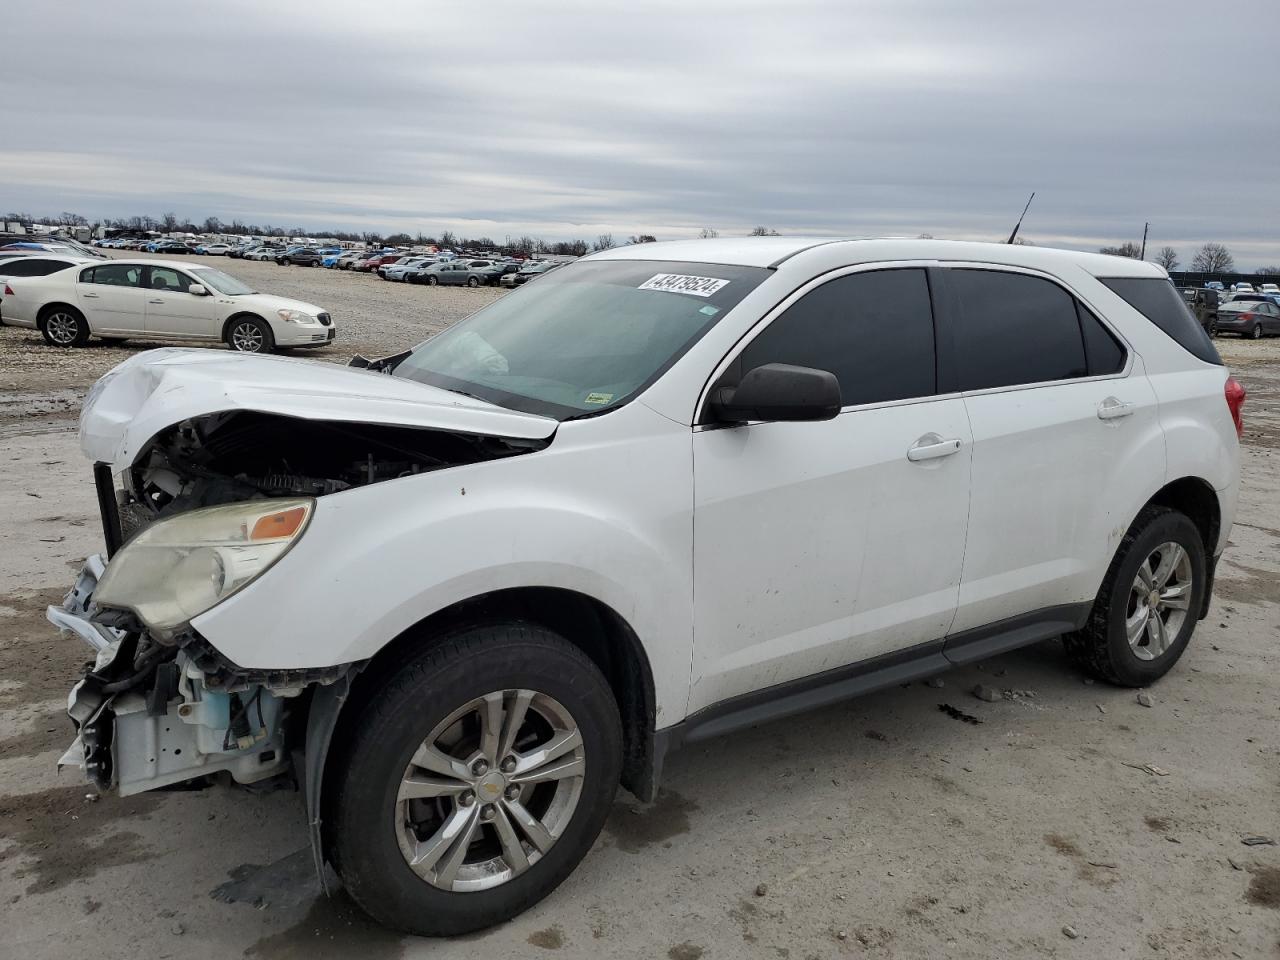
663, 493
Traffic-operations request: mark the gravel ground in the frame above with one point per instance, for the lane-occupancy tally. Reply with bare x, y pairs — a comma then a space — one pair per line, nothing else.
882, 827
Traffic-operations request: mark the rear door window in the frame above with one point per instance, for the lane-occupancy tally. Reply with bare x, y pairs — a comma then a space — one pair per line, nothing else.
873, 330
1157, 299
1014, 329
114, 275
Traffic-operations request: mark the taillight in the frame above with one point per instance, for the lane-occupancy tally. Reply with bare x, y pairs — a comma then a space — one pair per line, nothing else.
1235, 401
1246, 316
8, 291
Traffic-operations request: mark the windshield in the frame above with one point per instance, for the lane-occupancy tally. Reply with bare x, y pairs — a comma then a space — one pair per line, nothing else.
584, 338
220, 282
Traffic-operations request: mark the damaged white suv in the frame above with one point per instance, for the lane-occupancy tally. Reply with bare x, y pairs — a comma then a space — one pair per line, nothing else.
663, 493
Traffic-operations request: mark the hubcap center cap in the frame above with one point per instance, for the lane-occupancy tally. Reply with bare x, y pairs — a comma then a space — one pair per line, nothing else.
489, 787
1153, 599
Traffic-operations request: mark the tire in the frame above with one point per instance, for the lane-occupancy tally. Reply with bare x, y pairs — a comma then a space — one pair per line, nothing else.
432, 281
1103, 647
250, 335
473, 281
1213, 329
1256, 332
417, 703
64, 327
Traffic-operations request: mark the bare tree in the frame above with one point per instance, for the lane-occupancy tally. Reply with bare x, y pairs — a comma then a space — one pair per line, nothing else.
643, 238
72, 219
604, 242
1268, 272
1213, 258
170, 221
924, 236
709, 233
1131, 250
1167, 258
1023, 242
763, 232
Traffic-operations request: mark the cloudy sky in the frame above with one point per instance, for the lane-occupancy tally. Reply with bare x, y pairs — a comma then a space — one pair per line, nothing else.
568, 119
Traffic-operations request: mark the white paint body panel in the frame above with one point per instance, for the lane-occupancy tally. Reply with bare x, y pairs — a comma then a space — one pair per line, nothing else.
131, 310
741, 557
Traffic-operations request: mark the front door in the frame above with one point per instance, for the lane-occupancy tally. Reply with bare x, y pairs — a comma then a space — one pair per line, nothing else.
173, 312
819, 545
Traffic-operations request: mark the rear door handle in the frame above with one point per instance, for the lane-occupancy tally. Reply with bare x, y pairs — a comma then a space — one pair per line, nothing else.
931, 447
1113, 409
89, 296
155, 301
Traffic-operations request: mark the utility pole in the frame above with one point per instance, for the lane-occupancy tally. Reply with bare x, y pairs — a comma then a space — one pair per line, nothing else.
1143, 255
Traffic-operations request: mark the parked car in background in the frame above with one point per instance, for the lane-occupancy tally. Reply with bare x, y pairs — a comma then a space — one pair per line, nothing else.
299, 257
216, 250
150, 299
263, 253
68, 248
465, 583
1204, 303
454, 273
397, 270
347, 259
1270, 288
1250, 318
529, 271
371, 263
492, 274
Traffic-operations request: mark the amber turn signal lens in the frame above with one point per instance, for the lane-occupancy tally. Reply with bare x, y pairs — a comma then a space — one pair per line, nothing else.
276, 525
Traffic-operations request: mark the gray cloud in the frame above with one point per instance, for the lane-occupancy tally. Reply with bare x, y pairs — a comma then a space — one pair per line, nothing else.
571, 118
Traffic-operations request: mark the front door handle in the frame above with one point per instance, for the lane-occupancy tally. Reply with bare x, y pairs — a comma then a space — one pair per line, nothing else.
155, 301
1113, 409
89, 296
931, 447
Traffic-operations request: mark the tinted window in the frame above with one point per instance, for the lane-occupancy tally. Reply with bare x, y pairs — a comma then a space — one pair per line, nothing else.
114, 275
1015, 329
1102, 351
32, 267
1158, 301
874, 331
166, 278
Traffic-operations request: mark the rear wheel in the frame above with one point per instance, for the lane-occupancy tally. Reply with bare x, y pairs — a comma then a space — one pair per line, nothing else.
250, 335
475, 780
1146, 611
1256, 332
64, 327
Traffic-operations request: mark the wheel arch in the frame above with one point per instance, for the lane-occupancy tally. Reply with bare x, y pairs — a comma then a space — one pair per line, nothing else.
43, 314
588, 623
1195, 498
240, 315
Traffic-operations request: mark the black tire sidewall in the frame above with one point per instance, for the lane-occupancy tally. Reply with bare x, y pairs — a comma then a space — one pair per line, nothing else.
393, 725
268, 338
82, 329
1128, 668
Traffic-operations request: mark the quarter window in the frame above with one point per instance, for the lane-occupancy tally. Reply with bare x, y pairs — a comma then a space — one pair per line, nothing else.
873, 330
32, 267
1102, 351
1014, 329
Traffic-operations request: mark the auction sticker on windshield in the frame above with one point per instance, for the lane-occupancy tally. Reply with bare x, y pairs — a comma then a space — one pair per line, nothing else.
683, 283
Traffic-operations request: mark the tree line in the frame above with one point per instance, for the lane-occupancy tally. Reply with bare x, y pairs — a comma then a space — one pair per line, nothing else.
1210, 258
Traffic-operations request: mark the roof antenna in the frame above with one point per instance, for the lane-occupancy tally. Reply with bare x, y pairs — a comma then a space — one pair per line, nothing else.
1013, 236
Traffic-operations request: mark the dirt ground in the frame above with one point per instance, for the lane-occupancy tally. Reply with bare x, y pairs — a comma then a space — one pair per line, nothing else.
884, 827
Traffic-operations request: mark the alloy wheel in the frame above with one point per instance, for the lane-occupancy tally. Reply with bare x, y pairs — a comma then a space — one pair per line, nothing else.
247, 338
63, 328
1159, 601
490, 790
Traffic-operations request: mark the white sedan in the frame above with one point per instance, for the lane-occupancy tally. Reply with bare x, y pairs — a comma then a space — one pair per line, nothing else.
160, 299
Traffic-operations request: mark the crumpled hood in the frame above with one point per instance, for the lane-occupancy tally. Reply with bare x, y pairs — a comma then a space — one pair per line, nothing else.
158, 388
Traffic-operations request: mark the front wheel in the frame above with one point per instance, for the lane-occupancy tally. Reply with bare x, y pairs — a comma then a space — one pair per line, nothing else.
475, 779
250, 335
432, 281
1146, 611
473, 281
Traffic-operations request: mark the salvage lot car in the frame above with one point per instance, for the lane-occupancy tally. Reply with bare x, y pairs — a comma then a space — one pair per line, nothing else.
662, 494
150, 299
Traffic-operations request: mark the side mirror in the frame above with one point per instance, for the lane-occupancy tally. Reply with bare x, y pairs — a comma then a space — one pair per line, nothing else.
198, 290
779, 391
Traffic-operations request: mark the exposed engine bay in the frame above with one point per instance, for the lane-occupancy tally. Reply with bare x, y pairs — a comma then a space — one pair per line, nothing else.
159, 708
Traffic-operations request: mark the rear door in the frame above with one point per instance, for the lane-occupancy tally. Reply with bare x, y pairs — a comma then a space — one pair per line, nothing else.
1066, 436
112, 298
173, 312
819, 545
